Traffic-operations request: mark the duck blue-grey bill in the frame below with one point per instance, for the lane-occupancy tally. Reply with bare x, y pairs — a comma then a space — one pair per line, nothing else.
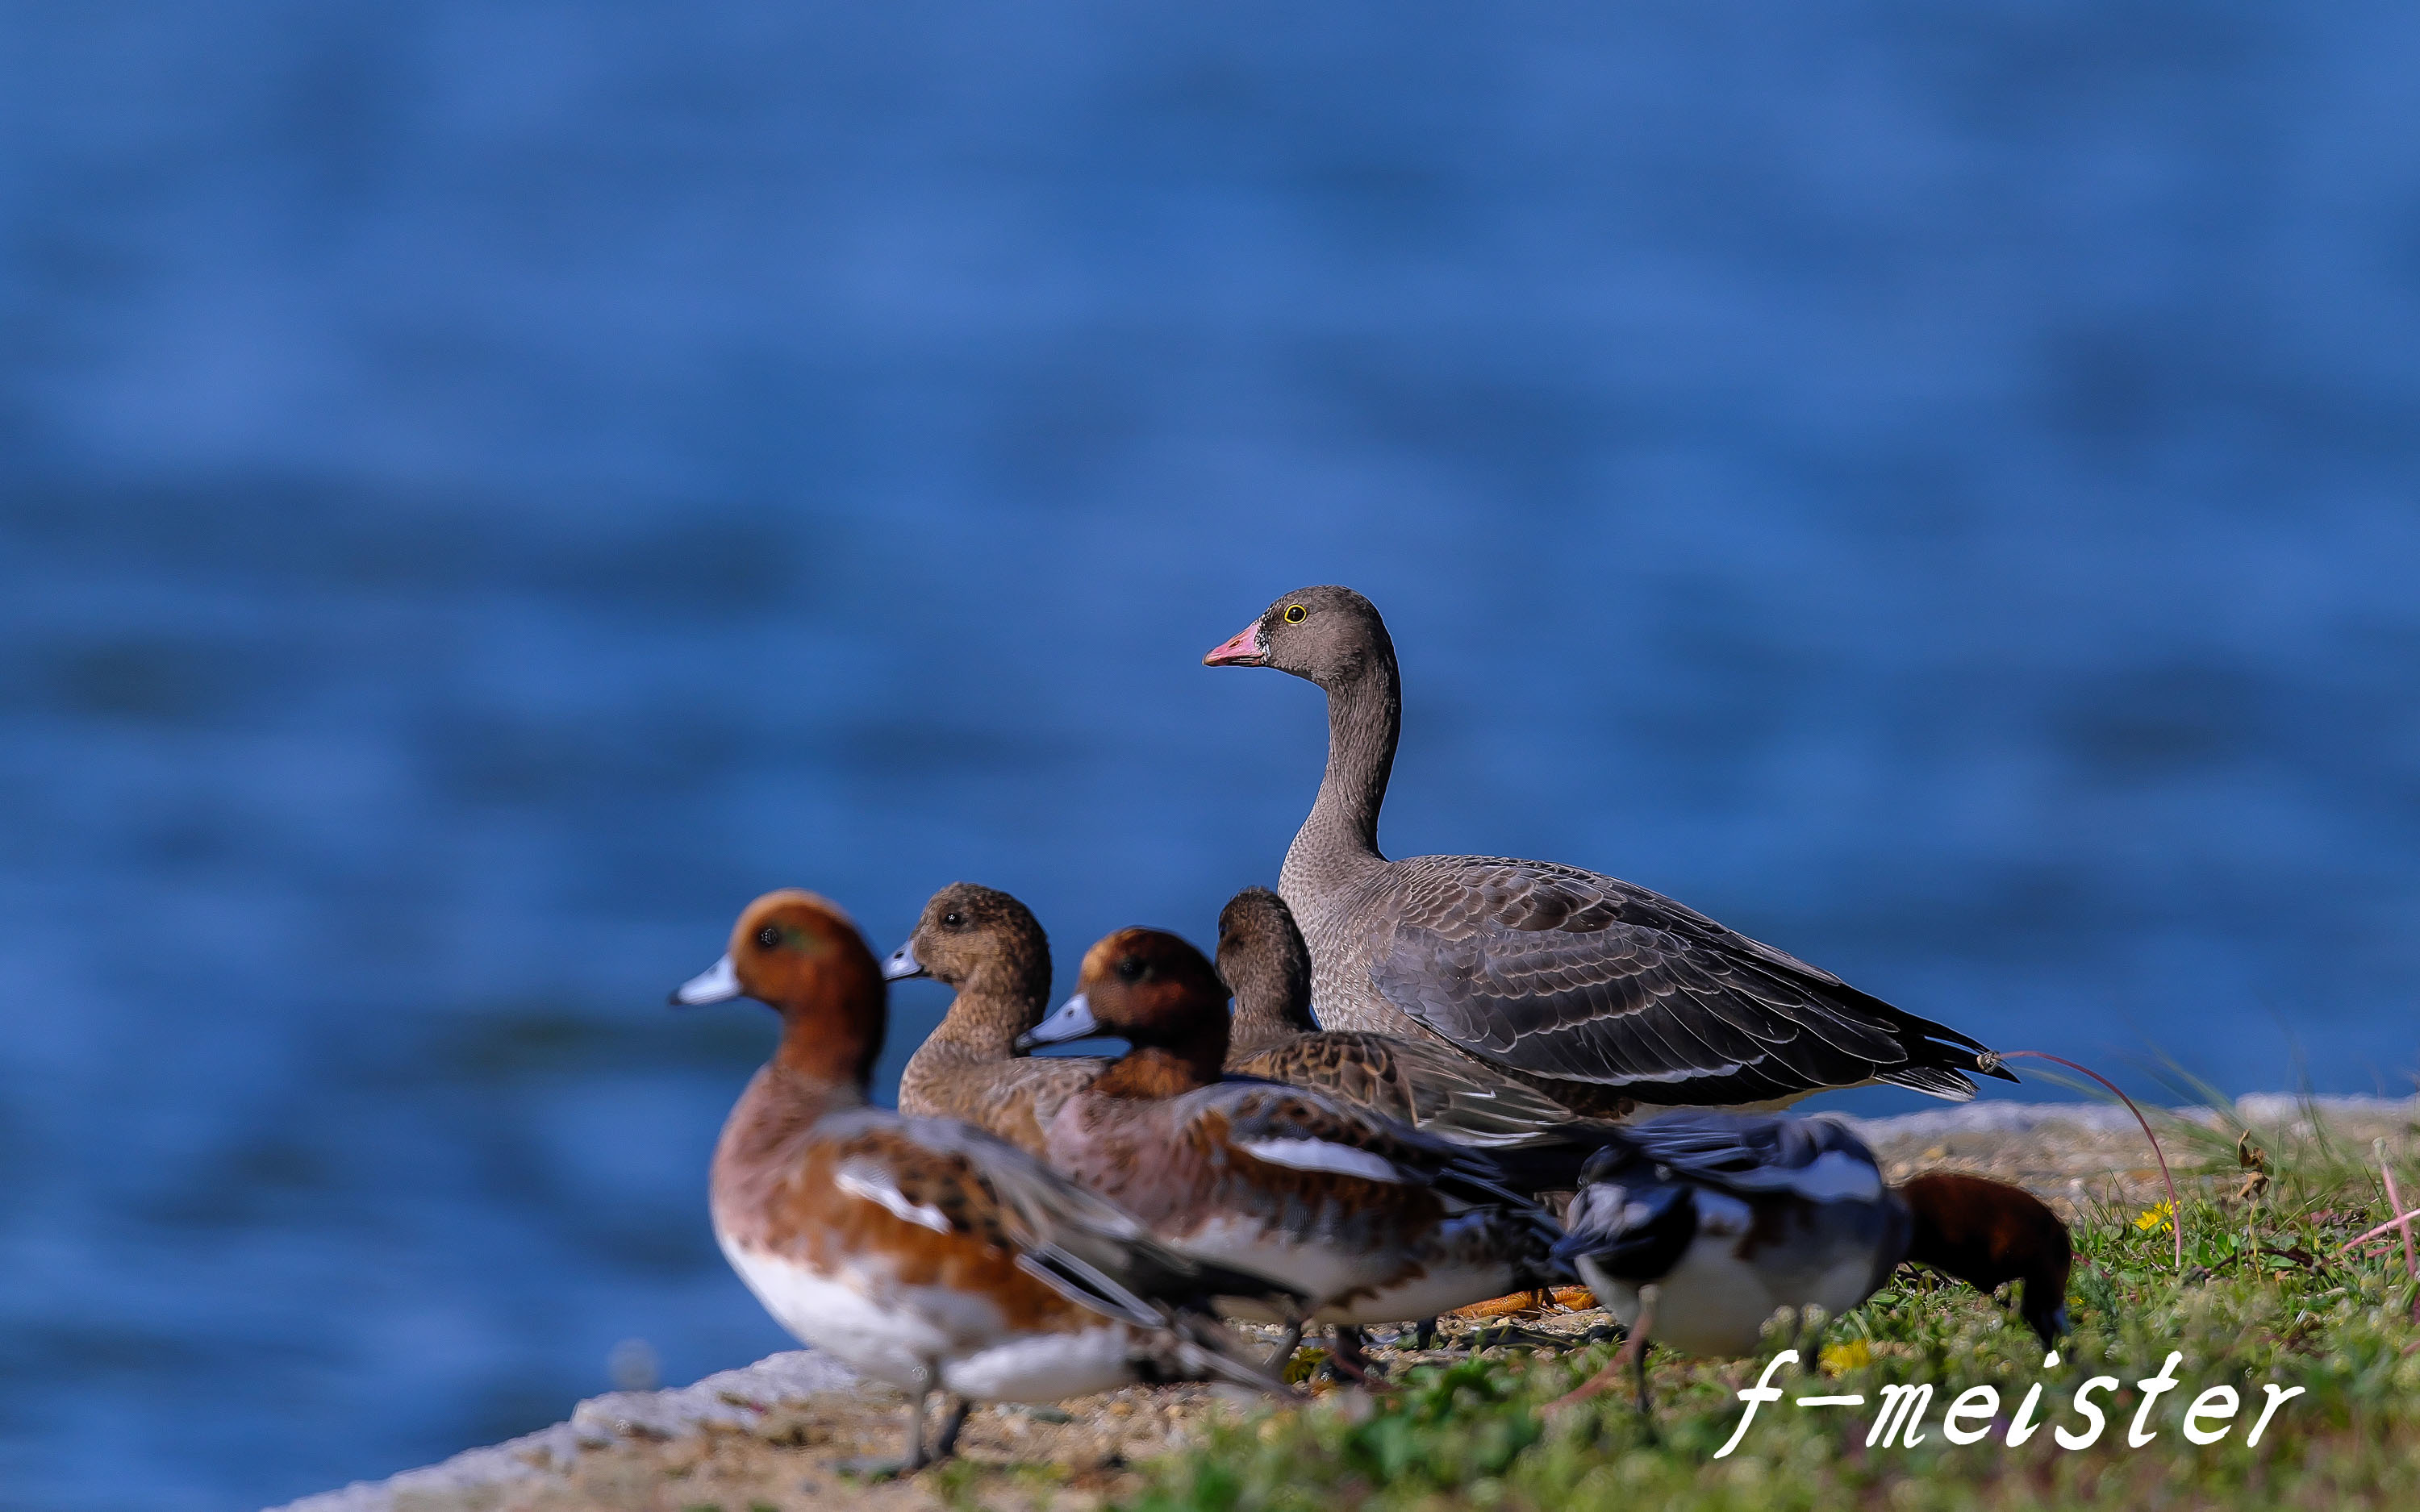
717, 983
903, 964
1073, 1021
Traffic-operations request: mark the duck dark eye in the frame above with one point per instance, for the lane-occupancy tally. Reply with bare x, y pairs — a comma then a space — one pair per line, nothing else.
1130, 969
768, 936
1296, 613
955, 920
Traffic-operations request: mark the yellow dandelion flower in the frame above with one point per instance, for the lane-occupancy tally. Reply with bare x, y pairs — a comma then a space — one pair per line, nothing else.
2157, 1219
1839, 1359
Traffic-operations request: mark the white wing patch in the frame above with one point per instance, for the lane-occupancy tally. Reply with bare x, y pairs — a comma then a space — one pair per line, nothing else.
863, 1179
1835, 1175
1320, 1155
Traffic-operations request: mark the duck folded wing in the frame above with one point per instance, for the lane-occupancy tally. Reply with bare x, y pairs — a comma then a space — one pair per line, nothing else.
1309, 1131
958, 1180
1567, 973
1812, 1158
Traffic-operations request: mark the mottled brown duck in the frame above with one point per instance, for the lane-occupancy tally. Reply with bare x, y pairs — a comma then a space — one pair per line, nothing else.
990, 947
1376, 1220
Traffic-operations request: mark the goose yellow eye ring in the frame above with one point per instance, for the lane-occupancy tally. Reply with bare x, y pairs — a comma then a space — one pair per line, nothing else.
1296, 613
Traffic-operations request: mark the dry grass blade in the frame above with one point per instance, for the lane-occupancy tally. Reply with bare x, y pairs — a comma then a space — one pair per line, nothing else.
2394, 1204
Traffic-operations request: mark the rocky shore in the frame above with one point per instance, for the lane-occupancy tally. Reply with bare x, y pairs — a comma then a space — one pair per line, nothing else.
767, 1436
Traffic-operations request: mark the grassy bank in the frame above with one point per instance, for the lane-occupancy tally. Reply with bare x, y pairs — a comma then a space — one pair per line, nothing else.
2264, 1297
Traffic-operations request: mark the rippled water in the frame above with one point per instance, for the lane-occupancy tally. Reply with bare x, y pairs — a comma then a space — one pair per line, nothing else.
484, 492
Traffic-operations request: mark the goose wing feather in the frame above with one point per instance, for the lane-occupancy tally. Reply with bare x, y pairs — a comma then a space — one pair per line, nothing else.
1568, 974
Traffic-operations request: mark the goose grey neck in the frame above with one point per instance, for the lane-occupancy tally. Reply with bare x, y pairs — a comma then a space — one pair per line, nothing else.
1339, 841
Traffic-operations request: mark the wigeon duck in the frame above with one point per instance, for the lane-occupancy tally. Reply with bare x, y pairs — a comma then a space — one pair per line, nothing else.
1596, 989
989, 947
1697, 1227
1374, 1221
924, 1252
1540, 1144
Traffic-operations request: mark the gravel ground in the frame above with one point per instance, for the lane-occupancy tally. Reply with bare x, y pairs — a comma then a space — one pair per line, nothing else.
771, 1435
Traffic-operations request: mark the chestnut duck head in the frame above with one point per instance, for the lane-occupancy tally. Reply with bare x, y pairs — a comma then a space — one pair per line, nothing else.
801, 955
1145, 986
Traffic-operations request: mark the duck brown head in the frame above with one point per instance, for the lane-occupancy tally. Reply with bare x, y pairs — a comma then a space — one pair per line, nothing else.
992, 949
1987, 1233
1158, 994
1265, 964
800, 954
1330, 635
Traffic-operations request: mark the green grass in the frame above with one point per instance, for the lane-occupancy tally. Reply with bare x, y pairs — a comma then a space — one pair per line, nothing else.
2265, 1299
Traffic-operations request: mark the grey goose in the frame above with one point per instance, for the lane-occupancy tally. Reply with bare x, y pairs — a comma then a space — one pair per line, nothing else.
1599, 992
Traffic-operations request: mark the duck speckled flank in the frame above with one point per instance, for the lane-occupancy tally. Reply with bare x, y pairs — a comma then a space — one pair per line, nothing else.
1593, 988
1376, 1221
989, 947
921, 1251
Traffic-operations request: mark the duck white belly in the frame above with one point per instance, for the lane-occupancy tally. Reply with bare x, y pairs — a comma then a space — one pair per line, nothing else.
901, 1339
1713, 1303
1319, 1272
1045, 1368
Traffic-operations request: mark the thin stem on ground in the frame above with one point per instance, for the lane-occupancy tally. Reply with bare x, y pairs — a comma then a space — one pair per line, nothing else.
2176, 1209
2394, 1204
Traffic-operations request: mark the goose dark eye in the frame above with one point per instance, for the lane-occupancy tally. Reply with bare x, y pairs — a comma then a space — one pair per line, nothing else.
1296, 613
954, 920
768, 936
1130, 969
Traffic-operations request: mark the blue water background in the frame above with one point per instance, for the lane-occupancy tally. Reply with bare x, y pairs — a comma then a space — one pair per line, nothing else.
487, 490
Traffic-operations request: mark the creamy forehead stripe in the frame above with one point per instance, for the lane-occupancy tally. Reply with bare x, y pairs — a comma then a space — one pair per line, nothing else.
1096, 959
